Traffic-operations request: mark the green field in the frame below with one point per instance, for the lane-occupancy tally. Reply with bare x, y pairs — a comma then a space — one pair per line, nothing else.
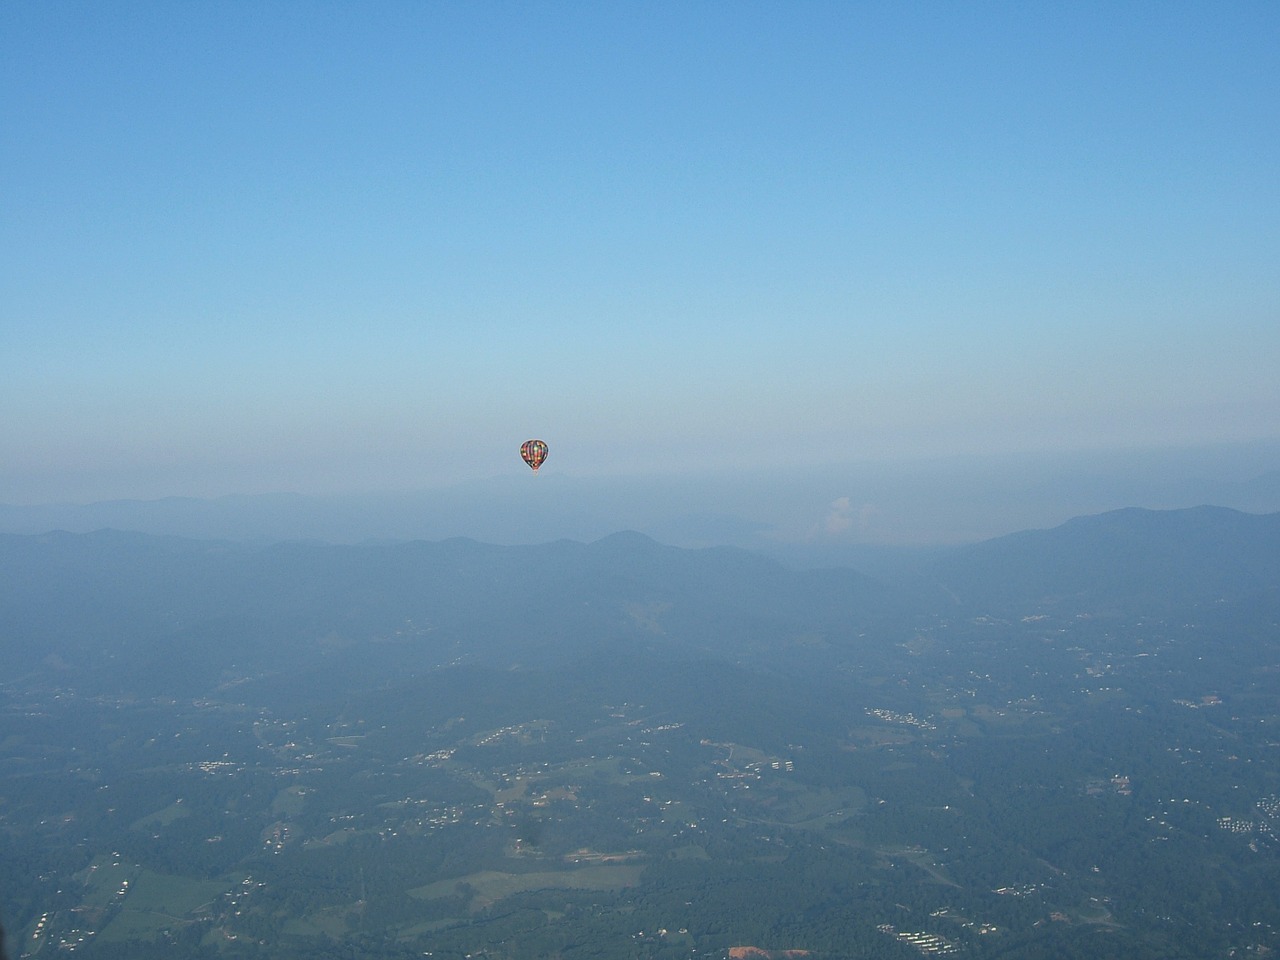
490, 886
156, 902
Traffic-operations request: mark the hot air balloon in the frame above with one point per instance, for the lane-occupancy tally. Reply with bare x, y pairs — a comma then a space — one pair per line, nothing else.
533, 452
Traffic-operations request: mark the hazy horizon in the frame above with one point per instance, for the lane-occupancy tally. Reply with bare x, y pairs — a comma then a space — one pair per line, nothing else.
810, 516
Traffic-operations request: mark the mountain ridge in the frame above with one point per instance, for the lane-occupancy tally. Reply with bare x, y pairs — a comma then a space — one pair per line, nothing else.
219, 606
1126, 557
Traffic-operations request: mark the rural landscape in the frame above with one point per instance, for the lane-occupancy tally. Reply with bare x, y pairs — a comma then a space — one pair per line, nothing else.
1060, 743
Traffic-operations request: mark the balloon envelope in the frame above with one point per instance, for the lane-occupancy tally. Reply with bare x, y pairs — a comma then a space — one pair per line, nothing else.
533, 452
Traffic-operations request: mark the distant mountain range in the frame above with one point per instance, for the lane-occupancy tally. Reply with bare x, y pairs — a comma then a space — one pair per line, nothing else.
838, 515
196, 610
1139, 560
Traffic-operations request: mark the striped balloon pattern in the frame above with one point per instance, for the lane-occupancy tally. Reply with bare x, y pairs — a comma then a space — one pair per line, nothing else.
533, 452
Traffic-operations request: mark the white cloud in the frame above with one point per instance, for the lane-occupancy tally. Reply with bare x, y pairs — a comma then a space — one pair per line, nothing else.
842, 518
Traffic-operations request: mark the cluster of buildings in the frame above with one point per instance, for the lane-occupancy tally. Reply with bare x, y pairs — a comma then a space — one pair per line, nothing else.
929, 944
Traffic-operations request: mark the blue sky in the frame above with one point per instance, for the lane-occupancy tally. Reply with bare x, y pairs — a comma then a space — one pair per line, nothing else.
334, 247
